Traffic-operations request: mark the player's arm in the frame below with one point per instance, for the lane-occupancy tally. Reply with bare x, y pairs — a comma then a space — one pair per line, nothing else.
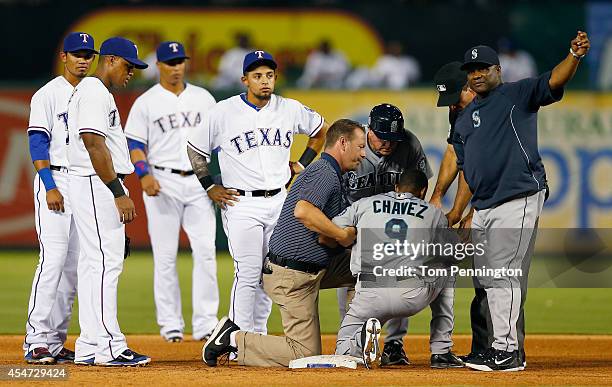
102, 163
565, 70
217, 193
148, 182
315, 220
313, 147
39, 151
462, 198
446, 175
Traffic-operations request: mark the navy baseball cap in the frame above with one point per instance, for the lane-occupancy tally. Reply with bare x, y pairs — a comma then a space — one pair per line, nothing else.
257, 58
124, 48
449, 81
480, 55
76, 41
170, 50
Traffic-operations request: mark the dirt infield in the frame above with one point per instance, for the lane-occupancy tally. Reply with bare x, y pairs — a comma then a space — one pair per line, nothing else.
552, 360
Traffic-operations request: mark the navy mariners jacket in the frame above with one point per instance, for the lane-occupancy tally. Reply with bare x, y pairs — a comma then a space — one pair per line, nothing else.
496, 141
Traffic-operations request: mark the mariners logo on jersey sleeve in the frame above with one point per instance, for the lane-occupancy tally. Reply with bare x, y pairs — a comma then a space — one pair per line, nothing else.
272, 137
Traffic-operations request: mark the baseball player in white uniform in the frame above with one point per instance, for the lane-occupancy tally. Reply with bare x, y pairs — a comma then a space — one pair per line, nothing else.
253, 133
99, 160
160, 121
55, 280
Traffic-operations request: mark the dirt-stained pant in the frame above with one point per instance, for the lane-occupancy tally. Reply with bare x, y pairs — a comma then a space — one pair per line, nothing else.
385, 303
297, 295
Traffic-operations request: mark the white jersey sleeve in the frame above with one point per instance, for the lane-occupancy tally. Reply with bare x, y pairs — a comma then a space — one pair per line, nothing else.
307, 121
41, 113
204, 139
137, 125
348, 217
92, 115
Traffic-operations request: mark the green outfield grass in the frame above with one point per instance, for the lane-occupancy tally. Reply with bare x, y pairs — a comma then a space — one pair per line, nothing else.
581, 311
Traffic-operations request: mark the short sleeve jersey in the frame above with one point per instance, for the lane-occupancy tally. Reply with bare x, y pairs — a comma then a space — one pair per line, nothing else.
49, 115
254, 144
92, 109
162, 121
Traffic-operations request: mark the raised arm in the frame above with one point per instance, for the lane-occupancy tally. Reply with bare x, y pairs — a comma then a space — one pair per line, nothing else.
565, 70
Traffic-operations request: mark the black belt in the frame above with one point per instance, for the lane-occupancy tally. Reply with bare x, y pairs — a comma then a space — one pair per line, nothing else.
294, 264
259, 192
177, 171
58, 168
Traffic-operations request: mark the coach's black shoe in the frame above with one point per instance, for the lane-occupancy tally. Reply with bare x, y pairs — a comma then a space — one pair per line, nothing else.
64, 356
496, 360
470, 357
219, 342
446, 360
393, 354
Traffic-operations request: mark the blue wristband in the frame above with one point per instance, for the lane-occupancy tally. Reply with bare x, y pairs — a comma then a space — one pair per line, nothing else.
141, 168
47, 178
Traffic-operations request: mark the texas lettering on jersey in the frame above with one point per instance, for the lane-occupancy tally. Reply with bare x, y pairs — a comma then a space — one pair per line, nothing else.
175, 121
262, 137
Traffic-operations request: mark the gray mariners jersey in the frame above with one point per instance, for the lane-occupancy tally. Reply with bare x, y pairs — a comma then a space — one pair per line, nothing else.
378, 174
398, 216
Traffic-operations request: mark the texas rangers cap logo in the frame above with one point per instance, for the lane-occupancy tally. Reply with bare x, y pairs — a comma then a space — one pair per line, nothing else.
474, 53
259, 54
84, 36
441, 87
173, 47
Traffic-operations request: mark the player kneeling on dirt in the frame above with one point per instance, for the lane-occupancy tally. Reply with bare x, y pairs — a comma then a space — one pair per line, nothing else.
400, 216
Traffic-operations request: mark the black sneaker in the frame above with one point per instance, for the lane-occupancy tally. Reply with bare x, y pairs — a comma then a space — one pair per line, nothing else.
496, 360
446, 360
127, 358
64, 356
470, 356
393, 354
39, 355
219, 342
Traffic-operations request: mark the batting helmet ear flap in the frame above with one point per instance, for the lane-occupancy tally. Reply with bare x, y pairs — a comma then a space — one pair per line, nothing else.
387, 122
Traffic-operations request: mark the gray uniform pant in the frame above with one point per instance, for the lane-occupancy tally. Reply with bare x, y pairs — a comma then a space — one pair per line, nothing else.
510, 231
388, 303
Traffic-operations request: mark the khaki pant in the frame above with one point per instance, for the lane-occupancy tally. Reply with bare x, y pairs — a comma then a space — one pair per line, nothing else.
297, 295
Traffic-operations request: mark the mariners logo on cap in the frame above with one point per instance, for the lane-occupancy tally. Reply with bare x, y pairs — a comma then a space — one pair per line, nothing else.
474, 53
393, 126
441, 87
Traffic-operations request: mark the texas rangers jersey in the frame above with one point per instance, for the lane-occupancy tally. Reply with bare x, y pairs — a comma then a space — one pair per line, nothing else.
378, 174
162, 120
400, 216
254, 144
49, 114
92, 109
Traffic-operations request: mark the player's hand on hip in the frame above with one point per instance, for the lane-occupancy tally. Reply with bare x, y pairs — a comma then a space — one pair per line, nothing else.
55, 200
466, 222
126, 208
150, 185
348, 237
223, 196
581, 43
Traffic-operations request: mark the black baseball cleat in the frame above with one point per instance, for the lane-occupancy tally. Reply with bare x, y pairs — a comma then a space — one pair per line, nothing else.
219, 342
174, 337
64, 356
127, 358
39, 356
470, 356
496, 360
522, 359
446, 360
393, 354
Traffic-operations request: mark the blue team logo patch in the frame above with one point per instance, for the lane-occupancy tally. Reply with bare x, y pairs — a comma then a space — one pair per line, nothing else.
476, 118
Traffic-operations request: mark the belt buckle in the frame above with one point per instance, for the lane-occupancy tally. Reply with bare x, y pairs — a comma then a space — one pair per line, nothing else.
183, 173
267, 194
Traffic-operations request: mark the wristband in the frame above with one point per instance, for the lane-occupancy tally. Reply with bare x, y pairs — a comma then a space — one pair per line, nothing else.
141, 168
116, 188
307, 157
576, 55
47, 178
206, 182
